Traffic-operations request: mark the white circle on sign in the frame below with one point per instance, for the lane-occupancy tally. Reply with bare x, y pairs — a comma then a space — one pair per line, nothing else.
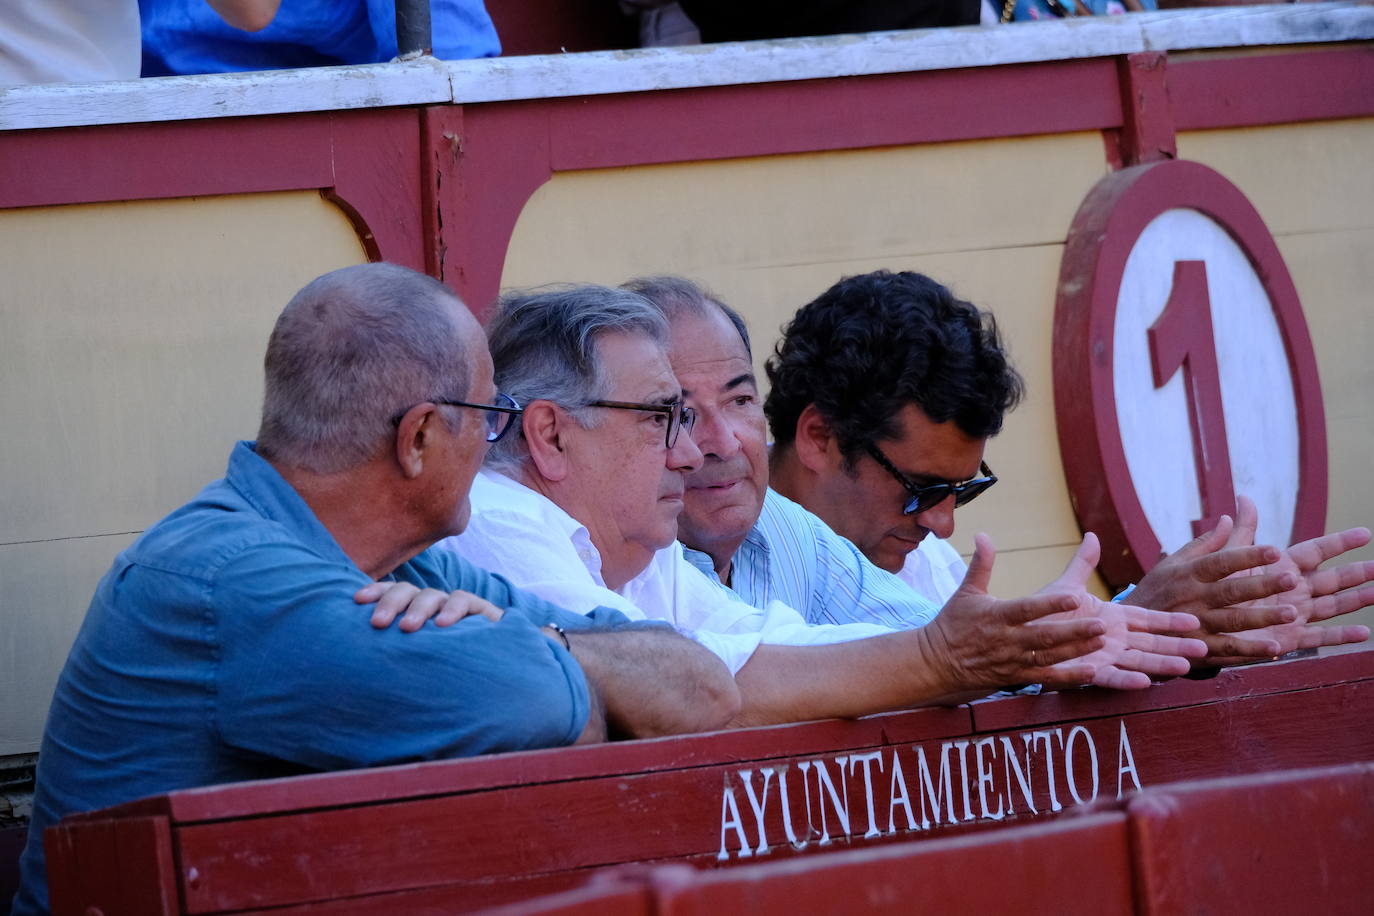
1260, 412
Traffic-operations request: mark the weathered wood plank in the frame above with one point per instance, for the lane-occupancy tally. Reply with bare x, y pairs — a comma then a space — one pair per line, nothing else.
1277, 844
429, 81
1068, 867
219, 95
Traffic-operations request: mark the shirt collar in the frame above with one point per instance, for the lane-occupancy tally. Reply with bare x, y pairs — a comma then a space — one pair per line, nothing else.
751, 558
494, 490
268, 492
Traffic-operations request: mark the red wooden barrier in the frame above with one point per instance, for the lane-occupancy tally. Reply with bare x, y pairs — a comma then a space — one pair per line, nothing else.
1279, 843
1073, 866
605, 895
1273, 843
459, 835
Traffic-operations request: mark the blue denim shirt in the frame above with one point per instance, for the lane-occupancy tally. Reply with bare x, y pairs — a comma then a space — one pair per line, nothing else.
791, 556
225, 645
187, 36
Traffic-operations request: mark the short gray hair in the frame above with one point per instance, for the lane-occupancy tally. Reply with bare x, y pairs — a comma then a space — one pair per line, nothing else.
544, 347
351, 350
674, 296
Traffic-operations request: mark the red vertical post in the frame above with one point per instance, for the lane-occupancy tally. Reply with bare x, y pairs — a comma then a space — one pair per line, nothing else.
1147, 118
482, 163
123, 866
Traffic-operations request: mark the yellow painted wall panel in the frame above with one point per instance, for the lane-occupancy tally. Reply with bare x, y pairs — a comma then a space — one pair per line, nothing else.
987, 218
768, 213
1310, 177
130, 361
47, 586
133, 344
1334, 274
1019, 572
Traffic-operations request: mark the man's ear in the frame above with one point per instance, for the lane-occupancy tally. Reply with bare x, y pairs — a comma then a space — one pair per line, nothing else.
544, 423
815, 443
414, 438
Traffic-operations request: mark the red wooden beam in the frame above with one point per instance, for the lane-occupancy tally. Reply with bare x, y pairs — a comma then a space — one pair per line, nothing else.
851, 113
1215, 92
366, 162
168, 159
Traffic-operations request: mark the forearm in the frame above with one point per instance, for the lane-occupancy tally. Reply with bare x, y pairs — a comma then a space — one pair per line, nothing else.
655, 682
595, 732
248, 15
797, 683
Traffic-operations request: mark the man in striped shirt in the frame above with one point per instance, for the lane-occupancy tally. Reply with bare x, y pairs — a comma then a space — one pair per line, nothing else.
735, 528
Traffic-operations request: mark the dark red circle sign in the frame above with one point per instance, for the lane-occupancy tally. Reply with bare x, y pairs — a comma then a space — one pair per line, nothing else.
1172, 290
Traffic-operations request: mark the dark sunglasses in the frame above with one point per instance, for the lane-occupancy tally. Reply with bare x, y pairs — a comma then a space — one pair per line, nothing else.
928, 497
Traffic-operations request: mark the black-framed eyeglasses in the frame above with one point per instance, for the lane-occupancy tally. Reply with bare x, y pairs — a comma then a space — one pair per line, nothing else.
680, 416
928, 497
498, 416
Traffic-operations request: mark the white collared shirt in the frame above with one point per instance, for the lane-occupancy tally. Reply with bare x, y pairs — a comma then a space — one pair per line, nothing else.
522, 535
934, 569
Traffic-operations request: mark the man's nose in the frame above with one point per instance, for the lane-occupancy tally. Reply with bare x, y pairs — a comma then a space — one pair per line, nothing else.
684, 455
939, 518
714, 435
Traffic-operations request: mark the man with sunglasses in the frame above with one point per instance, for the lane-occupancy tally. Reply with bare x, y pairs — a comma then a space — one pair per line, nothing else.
884, 392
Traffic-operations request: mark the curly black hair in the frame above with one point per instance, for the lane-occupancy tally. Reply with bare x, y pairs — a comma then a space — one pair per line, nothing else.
872, 344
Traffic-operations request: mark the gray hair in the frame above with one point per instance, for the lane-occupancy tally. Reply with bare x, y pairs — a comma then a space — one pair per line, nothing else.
544, 347
350, 351
674, 296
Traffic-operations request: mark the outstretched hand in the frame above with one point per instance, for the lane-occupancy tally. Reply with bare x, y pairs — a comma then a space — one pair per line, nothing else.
416, 605
1200, 578
1137, 641
1315, 595
984, 643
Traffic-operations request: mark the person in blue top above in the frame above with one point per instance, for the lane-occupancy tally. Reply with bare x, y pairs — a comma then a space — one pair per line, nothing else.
186, 36
232, 640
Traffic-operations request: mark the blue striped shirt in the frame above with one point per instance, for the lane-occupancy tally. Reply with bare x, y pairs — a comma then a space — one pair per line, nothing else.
791, 556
